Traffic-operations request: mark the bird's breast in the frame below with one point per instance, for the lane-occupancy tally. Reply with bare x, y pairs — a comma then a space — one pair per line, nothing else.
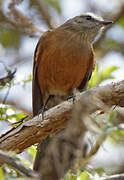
63, 66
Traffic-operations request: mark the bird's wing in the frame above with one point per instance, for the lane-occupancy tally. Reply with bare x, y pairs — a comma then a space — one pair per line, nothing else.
37, 100
83, 84
88, 74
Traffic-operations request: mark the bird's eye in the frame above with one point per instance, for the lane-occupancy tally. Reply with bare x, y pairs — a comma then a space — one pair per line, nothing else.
88, 17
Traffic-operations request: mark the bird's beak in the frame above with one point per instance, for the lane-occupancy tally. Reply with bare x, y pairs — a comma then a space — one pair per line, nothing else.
105, 23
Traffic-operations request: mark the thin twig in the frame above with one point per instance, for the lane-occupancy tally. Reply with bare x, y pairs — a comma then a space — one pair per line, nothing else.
113, 177
8, 78
23, 22
7, 94
15, 163
114, 18
43, 9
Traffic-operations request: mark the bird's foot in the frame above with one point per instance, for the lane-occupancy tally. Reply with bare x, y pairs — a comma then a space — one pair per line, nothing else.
42, 110
45, 108
73, 97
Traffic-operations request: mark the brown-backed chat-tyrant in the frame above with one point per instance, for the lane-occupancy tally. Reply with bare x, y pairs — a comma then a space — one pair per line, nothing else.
64, 61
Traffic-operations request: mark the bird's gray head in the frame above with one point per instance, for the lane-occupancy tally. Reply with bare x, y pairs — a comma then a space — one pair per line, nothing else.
87, 24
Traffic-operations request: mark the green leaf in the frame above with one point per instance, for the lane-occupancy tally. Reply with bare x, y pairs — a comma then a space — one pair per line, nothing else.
32, 151
119, 133
112, 115
121, 22
84, 176
16, 116
7, 113
9, 38
93, 81
97, 77
106, 73
28, 79
71, 176
1, 174
99, 171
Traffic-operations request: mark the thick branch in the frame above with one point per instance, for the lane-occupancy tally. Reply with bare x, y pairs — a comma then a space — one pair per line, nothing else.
36, 129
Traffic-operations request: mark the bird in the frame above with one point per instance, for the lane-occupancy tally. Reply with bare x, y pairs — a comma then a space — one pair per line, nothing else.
64, 59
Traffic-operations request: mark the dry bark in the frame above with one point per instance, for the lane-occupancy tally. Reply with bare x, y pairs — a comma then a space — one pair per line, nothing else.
36, 129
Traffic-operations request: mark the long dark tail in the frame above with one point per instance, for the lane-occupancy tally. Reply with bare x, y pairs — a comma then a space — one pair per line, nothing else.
37, 104
41, 150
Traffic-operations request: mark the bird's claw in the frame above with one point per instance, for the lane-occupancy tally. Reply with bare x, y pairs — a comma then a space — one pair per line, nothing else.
73, 97
42, 110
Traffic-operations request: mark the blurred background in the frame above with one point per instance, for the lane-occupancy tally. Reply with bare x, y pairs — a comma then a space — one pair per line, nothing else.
21, 24
20, 21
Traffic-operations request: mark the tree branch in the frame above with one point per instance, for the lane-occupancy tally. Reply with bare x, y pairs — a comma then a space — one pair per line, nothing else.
7, 79
15, 163
36, 129
115, 17
23, 22
69, 147
113, 177
44, 11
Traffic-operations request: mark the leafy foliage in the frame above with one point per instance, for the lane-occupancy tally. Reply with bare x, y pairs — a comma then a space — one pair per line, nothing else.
1, 174
84, 176
9, 114
121, 22
8, 173
9, 38
98, 77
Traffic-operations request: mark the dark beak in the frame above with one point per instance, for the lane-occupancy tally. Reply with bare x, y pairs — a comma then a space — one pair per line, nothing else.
105, 23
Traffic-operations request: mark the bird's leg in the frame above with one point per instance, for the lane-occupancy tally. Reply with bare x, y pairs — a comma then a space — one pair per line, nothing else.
73, 95
44, 108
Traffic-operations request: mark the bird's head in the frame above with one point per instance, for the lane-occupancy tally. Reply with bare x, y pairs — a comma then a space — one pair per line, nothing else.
87, 24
